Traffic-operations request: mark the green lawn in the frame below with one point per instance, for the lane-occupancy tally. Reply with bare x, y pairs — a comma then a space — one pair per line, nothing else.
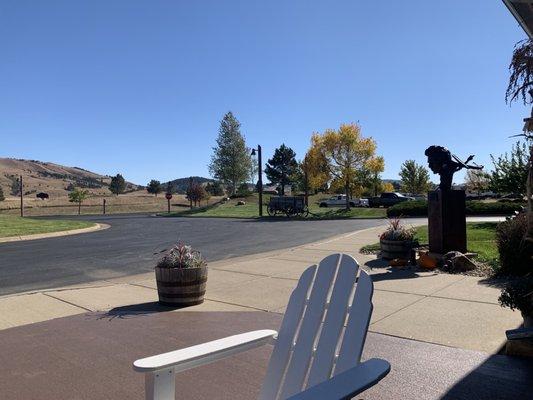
481, 239
250, 210
17, 226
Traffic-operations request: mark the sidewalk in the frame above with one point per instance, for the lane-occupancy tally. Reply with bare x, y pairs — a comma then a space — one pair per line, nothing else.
452, 310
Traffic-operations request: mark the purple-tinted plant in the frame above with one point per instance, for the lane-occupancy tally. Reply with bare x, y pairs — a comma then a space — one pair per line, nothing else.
396, 231
182, 256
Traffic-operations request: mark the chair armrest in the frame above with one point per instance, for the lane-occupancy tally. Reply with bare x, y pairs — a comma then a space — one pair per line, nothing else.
205, 353
347, 384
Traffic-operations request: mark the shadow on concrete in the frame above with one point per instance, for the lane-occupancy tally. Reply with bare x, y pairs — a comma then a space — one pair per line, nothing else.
136, 310
496, 282
499, 377
409, 272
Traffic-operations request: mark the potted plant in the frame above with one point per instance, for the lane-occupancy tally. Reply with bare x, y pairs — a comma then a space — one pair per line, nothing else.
518, 295
397, 241
181, 277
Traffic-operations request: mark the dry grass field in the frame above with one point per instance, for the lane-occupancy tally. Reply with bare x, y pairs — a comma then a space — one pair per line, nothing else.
54, 179
138, 201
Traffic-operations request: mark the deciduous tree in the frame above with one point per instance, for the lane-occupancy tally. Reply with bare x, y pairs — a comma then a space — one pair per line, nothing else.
282, 167
520, 86
196, 193
345, 153
477, 180
231, 161
510, 170
414, 177
78, 196
117, 185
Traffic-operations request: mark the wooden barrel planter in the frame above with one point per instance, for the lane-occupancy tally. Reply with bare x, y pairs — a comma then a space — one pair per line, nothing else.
181, 287
391, 249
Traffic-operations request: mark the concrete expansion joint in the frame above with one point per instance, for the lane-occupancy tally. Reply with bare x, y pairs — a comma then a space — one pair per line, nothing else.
67, 302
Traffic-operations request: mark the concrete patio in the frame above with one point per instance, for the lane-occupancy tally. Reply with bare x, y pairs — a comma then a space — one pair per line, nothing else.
441, 332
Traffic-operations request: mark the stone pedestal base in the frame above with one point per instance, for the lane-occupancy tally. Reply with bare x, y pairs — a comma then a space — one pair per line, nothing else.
447, 221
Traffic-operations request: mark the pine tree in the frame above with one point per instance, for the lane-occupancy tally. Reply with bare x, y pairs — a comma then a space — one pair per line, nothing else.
282, 167
231, 161
117, 185
414, 177
154, 187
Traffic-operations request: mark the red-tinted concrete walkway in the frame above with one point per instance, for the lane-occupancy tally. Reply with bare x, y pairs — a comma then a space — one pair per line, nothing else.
89, 356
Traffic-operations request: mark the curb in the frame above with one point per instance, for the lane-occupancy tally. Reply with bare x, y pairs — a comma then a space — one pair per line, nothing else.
96, 227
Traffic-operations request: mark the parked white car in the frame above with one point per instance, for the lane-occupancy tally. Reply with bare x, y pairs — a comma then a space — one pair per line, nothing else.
340, 201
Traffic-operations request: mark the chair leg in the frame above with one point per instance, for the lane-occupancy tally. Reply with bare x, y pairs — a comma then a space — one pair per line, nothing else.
160, 385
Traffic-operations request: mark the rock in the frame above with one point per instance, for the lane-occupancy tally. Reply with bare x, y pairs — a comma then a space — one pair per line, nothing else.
241, 203
455, 261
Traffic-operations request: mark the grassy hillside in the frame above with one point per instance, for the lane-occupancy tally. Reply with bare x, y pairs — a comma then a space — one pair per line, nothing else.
51, 178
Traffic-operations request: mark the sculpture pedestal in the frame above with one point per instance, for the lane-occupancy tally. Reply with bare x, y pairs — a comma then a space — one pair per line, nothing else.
447, 221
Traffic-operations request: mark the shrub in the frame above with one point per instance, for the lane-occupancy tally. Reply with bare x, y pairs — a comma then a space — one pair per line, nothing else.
419, 208
518, 295
182, 256
492, 208
396, 231
416, 208
243, 191
515, 253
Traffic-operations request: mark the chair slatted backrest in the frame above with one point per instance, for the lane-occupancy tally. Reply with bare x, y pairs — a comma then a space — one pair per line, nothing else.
328, 312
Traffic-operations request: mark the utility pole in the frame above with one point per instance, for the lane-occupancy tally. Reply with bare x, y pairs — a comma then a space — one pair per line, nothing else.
260, 162
190, 190
21, 198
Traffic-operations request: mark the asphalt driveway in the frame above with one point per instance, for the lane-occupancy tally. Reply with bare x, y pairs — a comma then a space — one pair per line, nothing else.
134, 243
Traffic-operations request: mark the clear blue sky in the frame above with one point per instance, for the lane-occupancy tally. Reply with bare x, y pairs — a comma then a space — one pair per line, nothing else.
139, 87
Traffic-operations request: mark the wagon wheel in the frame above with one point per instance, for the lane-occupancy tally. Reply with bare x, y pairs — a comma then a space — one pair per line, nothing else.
305, 212
271, 211
289, 211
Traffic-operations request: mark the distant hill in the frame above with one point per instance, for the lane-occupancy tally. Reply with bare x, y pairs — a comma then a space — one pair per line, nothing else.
51, 178
180, 185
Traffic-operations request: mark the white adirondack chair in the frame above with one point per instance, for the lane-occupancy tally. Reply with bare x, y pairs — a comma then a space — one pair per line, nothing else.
318, 348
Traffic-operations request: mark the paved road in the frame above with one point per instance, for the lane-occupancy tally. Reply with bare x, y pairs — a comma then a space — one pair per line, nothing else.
133, 243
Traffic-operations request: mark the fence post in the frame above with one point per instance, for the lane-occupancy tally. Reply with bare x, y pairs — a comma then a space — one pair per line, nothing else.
104, 207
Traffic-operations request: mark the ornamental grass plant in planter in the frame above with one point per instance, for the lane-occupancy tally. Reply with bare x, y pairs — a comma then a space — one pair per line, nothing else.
397, 241
181, 277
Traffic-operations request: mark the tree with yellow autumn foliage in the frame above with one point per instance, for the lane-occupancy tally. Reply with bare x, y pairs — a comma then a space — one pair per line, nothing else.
342, 154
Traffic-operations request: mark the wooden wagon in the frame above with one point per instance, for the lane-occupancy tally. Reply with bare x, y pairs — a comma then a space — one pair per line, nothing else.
289, 205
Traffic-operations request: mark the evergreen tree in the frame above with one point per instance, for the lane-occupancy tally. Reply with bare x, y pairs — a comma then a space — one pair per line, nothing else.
414, 177
117, 185
154, 187
214, 188
282, 167
231, 161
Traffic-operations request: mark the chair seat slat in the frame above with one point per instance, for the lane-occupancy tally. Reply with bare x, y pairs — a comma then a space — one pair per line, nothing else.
334, 322
357, 325
282, 350
301, 356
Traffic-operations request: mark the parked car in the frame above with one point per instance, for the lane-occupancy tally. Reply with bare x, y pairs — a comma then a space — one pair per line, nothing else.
388, 199
340, 201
